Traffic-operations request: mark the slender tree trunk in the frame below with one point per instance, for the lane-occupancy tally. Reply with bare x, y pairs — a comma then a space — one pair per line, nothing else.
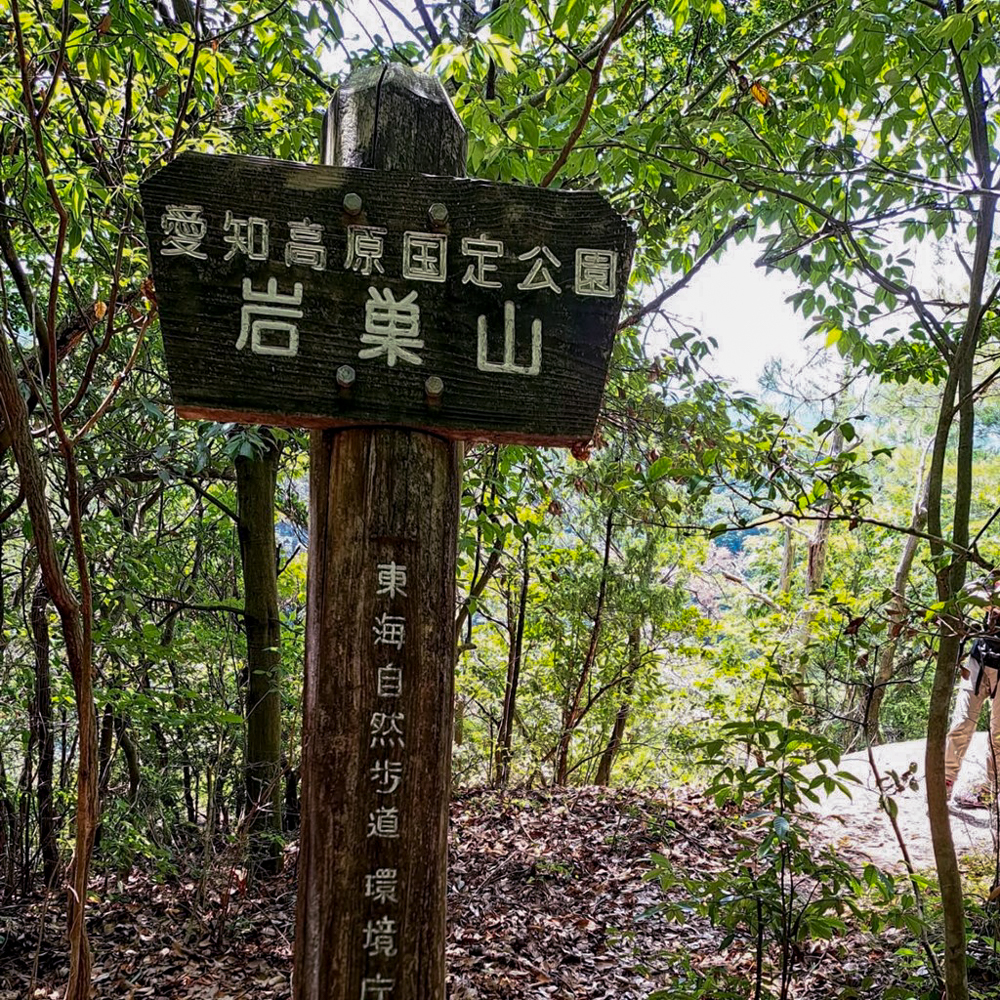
479, 582
45, 740
256, 480
571, 717
946, 861
815, 569
131, 759
187, 771
624, 710
220, 806
183, 730
505, 735
8, 837
159, 737
817, 557
291, 818
787, 559
105, 745
482, 574
23, 838
952, 565
75, 620
897, 610
189, 802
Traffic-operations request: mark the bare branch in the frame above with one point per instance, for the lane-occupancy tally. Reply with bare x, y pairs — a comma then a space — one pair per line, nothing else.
754, 593
429, 27
592, 50
588, 104
179, 606
409, 27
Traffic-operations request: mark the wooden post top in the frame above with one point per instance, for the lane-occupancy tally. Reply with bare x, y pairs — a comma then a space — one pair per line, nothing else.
391, 117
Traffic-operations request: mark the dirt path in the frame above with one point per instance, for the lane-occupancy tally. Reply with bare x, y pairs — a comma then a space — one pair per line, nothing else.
858, 827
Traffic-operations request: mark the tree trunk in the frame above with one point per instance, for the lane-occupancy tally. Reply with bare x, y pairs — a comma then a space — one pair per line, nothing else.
22, 840
950, 578
44, 736
186, 590
105, 746
815, 568
219, 806
189, 803
897, 611
291, 818
159, 737
256, 481
131, 760
951, 564
75, 617
8, 838
505, 734
787, 559
187, 771
571, 717
621, 719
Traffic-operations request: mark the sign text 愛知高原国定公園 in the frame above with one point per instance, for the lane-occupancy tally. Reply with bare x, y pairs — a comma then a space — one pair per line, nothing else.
325, 296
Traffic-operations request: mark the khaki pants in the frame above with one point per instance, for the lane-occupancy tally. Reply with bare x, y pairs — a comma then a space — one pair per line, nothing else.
968, 705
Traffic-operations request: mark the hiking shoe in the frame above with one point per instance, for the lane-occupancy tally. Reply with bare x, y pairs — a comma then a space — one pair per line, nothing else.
980, 799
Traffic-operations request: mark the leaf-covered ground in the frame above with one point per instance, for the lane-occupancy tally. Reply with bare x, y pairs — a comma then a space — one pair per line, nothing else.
547, 900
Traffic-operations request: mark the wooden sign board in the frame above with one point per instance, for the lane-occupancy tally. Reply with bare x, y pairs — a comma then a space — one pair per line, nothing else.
325, 296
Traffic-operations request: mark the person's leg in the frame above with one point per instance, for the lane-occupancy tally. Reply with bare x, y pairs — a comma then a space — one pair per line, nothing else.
968, 705
993, 747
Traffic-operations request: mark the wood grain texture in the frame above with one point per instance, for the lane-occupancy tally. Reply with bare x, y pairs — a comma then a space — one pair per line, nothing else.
426, 134
379, 497
201, 300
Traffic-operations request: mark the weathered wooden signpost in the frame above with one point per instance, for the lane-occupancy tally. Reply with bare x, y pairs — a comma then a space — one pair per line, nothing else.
399, 310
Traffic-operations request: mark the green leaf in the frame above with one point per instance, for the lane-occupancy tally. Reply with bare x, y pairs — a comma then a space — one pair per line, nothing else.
659, 468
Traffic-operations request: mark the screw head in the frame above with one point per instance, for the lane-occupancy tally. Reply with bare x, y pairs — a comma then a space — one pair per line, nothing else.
438, 213
434, 387
352, 203
345, 376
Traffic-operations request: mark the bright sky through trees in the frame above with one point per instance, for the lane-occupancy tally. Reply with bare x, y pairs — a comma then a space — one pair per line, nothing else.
731, 300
